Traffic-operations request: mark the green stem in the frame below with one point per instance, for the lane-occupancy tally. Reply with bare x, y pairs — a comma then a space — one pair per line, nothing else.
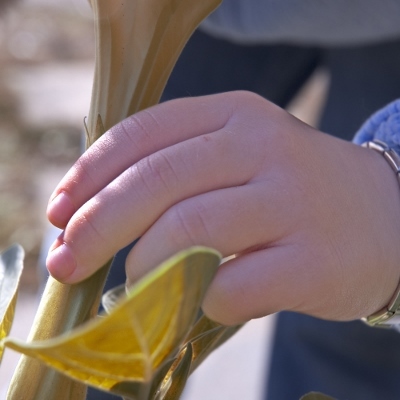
62, 308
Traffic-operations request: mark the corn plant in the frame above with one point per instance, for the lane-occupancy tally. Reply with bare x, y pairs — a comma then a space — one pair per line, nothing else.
144, 348
154, 335
137, 44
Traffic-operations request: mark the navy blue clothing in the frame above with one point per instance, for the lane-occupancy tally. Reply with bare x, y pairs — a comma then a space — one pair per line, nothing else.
348, 360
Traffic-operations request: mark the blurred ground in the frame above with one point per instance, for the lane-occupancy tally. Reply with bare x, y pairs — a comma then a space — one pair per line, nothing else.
46, 65
46, 57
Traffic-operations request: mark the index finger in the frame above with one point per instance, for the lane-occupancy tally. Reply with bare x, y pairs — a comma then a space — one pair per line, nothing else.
131, 140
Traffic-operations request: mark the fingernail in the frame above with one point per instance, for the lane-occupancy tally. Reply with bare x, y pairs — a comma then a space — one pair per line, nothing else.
61, 263
60, 210
58, 242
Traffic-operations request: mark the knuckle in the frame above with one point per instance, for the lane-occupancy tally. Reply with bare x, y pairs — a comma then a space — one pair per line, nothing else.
87, 239
188, 226
85, 225
245, 95
139, 129
249, 100
156, 174
82, 172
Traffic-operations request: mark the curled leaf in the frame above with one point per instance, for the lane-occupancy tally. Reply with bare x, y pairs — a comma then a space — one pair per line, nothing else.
141, 333
62, 308
11, 265
113, 297
174, 382
206, 336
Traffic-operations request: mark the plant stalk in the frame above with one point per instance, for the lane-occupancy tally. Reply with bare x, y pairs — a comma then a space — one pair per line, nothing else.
137, 45
62, 308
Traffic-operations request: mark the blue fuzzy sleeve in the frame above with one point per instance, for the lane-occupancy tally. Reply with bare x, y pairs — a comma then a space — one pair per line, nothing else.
384, 125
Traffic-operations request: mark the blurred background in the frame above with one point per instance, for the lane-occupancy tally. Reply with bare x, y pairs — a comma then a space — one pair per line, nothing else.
46, 68
46, 63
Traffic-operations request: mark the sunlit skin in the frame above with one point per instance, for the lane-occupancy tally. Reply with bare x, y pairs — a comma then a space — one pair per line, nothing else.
314, 220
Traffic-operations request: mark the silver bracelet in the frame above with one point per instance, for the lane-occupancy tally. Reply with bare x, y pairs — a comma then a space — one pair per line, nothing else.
389, 316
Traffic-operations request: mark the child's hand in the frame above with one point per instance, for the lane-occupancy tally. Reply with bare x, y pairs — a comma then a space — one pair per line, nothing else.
314, 221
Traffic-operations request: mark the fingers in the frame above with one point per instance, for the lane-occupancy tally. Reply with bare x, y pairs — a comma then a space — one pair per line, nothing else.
127, 207
231, 220
130, 141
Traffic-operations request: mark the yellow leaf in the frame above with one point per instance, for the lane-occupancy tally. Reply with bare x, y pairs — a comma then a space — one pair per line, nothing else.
174, 382
205, 336
11, 265
113, 297
141, 333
